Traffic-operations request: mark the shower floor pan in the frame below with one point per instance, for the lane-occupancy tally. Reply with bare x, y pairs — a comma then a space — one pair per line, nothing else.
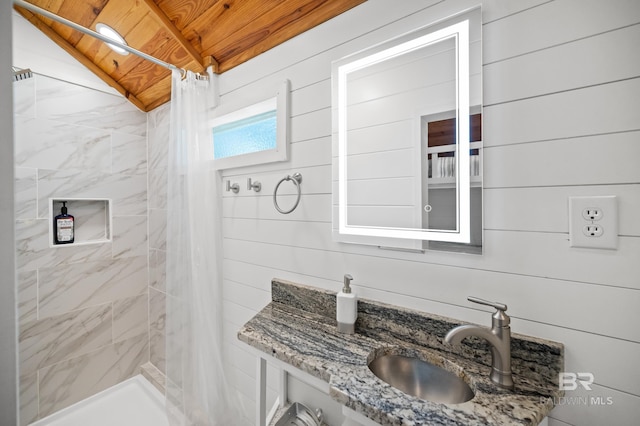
134, 402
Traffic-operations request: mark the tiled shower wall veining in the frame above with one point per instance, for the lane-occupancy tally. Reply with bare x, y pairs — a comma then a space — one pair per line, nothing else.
83, 309
158, 138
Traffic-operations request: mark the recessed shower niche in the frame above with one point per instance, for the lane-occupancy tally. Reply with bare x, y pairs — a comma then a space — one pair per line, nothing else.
92, 220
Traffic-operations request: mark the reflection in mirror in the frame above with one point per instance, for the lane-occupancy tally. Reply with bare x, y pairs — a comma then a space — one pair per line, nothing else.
402, 130
438, 137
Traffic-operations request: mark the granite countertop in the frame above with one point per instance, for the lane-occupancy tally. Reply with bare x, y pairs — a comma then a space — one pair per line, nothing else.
298, 327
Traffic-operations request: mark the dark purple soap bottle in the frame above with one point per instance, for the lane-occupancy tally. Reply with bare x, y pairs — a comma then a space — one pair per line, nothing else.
63, 227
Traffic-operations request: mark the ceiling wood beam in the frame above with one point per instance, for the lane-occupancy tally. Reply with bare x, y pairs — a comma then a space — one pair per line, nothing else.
71, 50
157, 13
210, 61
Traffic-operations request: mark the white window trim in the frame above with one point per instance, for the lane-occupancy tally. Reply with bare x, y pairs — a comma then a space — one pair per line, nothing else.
280, 103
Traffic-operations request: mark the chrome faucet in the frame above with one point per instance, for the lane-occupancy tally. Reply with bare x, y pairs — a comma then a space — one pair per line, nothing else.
499, 336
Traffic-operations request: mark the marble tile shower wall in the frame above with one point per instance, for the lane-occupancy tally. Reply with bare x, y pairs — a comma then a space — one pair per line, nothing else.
83, 310
158, 138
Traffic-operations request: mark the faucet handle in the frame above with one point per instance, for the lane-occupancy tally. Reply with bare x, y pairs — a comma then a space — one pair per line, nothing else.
499, 306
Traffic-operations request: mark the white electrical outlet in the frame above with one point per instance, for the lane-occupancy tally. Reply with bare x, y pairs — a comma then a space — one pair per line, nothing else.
593, 230
593, 222
592, 213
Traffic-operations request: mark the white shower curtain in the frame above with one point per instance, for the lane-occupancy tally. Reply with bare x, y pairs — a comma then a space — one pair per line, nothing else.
198, 392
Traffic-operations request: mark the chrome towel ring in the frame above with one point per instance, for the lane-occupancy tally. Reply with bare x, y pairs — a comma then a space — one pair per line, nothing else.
296, 178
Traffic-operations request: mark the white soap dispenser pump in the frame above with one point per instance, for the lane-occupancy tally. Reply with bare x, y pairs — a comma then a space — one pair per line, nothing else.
346, 307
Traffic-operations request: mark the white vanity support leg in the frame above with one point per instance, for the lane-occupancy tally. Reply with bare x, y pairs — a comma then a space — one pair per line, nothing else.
261, 392
283, 388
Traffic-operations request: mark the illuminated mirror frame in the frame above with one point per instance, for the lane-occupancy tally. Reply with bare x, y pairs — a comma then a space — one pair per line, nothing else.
460, 33
279, 104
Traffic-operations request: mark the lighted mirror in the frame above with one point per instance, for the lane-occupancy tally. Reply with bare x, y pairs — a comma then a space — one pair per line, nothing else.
407, 150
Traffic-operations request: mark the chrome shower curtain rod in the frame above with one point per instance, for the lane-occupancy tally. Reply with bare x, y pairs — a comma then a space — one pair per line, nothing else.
94, 34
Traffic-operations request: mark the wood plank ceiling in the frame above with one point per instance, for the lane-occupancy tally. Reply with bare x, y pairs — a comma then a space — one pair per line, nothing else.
191, 34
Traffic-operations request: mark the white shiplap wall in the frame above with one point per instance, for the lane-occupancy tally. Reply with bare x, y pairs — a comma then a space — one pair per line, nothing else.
561, 118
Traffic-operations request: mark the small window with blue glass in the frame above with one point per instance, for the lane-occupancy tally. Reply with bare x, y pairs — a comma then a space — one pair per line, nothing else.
253, 135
